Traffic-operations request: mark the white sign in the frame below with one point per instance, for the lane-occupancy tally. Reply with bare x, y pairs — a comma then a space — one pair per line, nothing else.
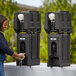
52, 38
22, 38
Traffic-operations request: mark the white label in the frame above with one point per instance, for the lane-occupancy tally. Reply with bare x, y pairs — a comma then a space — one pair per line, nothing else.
22, 38
52, 38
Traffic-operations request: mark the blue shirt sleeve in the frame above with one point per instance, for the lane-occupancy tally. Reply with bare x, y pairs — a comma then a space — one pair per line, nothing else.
4, 48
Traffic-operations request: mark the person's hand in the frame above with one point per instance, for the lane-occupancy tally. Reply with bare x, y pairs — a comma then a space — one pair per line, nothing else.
21, 56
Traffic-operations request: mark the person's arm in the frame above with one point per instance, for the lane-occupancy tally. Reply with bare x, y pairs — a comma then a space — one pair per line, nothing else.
5, 49
15, 55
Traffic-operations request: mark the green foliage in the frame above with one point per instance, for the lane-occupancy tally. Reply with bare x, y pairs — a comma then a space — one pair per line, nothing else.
8, 8
54, 6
